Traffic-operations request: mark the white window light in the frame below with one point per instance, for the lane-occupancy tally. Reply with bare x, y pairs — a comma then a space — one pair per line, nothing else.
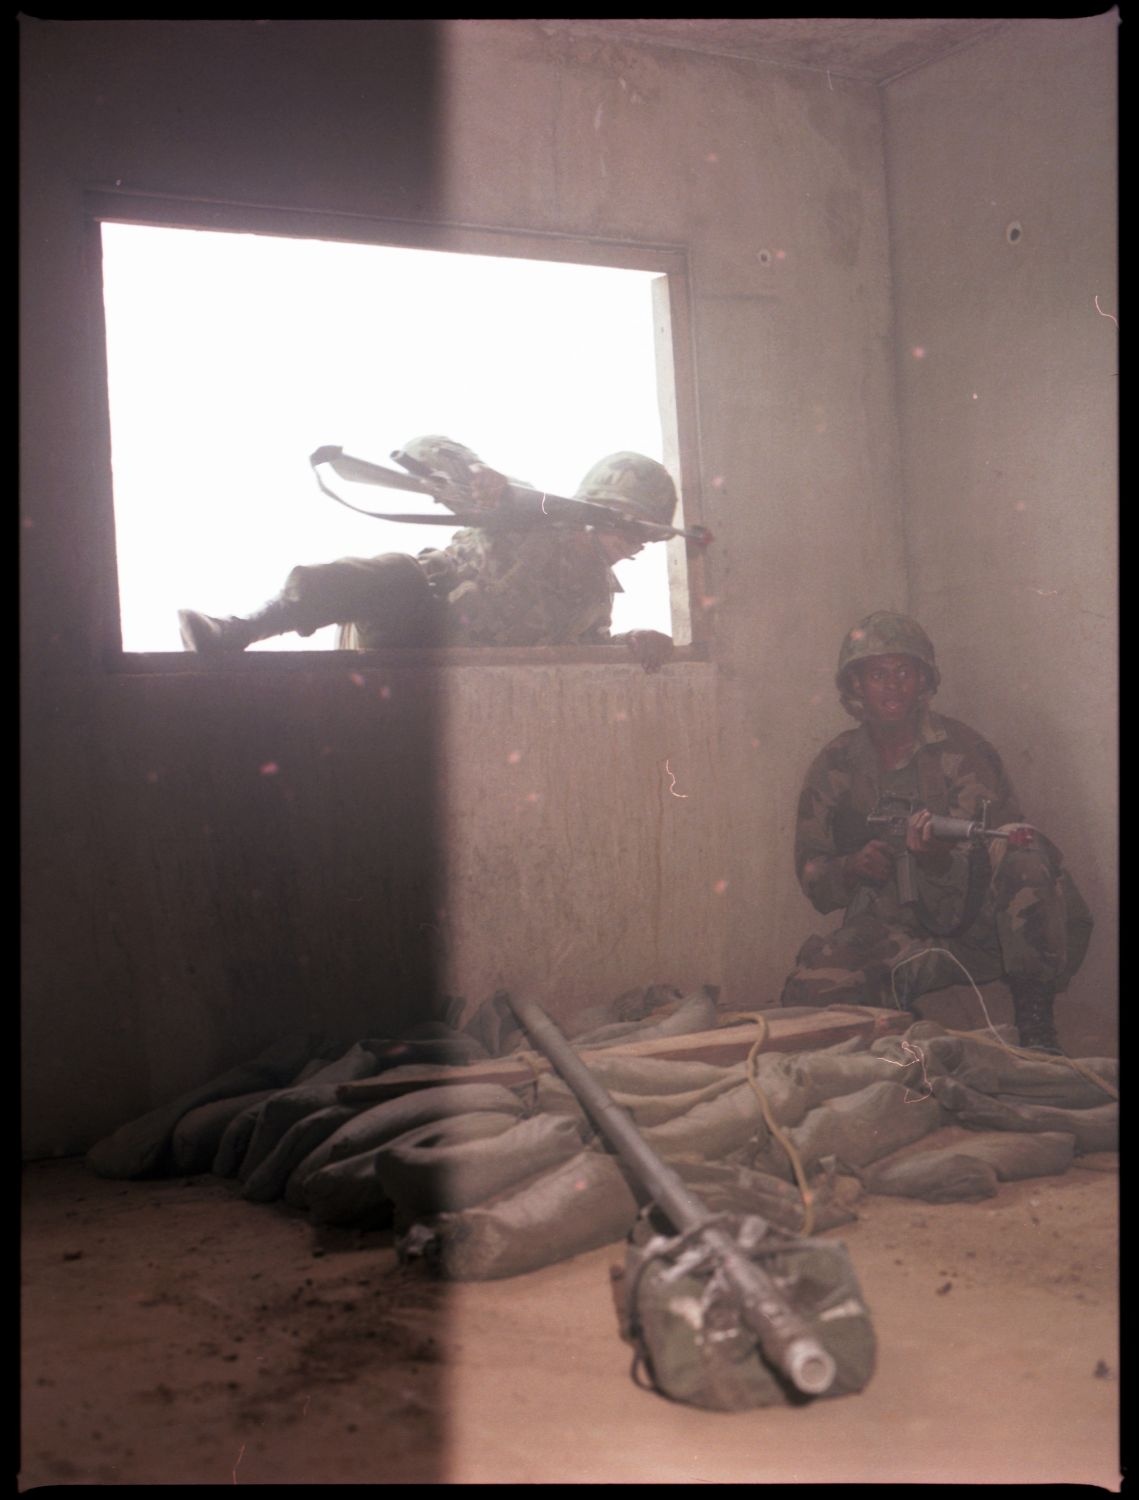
232, 356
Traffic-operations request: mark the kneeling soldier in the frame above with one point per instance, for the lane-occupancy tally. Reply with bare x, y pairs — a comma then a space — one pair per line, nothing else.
1001, 904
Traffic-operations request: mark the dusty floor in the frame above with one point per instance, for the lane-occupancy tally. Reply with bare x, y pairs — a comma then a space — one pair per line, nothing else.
174, 1334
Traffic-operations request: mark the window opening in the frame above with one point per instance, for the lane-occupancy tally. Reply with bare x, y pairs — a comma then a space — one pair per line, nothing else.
233, 356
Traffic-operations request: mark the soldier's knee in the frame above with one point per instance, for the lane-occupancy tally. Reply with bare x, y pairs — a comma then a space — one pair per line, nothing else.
1026, 857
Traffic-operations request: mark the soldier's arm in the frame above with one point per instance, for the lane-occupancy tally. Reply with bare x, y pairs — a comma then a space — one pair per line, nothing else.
975, 774
824, 873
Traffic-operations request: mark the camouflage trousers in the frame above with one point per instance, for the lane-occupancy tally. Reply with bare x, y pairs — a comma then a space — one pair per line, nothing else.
379, 601
1032, 922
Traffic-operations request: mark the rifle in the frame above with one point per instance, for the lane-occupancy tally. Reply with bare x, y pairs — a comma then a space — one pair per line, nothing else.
893, 814
742, 1334
519, 508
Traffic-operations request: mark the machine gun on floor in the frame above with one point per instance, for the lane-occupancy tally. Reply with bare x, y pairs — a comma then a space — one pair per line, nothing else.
726, 1312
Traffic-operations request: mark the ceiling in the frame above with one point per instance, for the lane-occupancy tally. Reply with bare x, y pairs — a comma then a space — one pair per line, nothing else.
846, 47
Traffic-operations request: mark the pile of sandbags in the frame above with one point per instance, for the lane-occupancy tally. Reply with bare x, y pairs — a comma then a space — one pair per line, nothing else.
480, 1180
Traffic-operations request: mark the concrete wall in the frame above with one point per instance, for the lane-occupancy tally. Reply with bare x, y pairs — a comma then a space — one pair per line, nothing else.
182, 905
1009, 423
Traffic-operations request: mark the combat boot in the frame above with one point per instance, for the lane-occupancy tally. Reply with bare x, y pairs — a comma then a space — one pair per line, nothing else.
208, 634
1032, 1003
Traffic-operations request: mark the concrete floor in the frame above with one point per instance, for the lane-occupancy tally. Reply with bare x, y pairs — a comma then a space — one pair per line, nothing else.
175, 1334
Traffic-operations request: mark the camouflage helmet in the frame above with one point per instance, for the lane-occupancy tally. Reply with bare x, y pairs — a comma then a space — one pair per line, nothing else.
884, 634
632, 483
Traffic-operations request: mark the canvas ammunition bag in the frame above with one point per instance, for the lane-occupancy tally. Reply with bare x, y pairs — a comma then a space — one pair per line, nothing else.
681, 1318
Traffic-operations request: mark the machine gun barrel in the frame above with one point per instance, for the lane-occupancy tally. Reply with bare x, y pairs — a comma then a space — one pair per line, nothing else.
784, 1338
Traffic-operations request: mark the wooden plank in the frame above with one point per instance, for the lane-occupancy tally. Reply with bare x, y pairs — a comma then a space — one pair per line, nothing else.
724, 1046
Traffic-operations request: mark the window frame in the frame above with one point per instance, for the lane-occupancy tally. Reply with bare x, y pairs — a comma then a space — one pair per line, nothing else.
675, 395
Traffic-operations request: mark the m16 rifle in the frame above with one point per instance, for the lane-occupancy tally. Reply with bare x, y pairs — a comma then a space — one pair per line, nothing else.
892, 817
517, 508
727, 1312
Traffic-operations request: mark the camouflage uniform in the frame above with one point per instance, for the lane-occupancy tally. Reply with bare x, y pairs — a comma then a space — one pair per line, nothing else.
486, 588
1031, 924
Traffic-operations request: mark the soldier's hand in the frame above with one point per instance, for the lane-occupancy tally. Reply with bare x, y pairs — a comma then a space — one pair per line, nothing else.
650, 648
921, 840
438, 566
873, 863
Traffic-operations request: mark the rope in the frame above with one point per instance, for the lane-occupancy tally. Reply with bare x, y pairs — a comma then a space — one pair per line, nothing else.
1027, 1053
531, 1059
776, 1130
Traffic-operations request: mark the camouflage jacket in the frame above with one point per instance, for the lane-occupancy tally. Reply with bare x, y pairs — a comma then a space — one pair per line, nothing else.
952, 770
517, 588
523, 588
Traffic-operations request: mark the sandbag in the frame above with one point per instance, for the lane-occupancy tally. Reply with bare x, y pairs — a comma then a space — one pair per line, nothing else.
696, 1012
943, 1176
724, 1187
383, 1122
777, 1074
348, 1192
453, 1164
553, 1096
141, 1148
235, 1140
583, 1203
197, 1135
282, 1110
714, 1128
856, 1128
657, 1109
622, 1074
785, 1086
267, 1182
494, 1026
1095, 1129
934, 1174
394, 1117
454, 1051
830, 1075
989, 1069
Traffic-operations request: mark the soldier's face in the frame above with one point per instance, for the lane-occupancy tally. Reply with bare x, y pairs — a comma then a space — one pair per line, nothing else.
889, 687
617, 547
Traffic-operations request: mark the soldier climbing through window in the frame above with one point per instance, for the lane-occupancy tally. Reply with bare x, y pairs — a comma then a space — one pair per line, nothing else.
494, 586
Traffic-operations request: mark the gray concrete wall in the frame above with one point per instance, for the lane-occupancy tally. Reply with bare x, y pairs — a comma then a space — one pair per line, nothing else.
181, 907
1009, 423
